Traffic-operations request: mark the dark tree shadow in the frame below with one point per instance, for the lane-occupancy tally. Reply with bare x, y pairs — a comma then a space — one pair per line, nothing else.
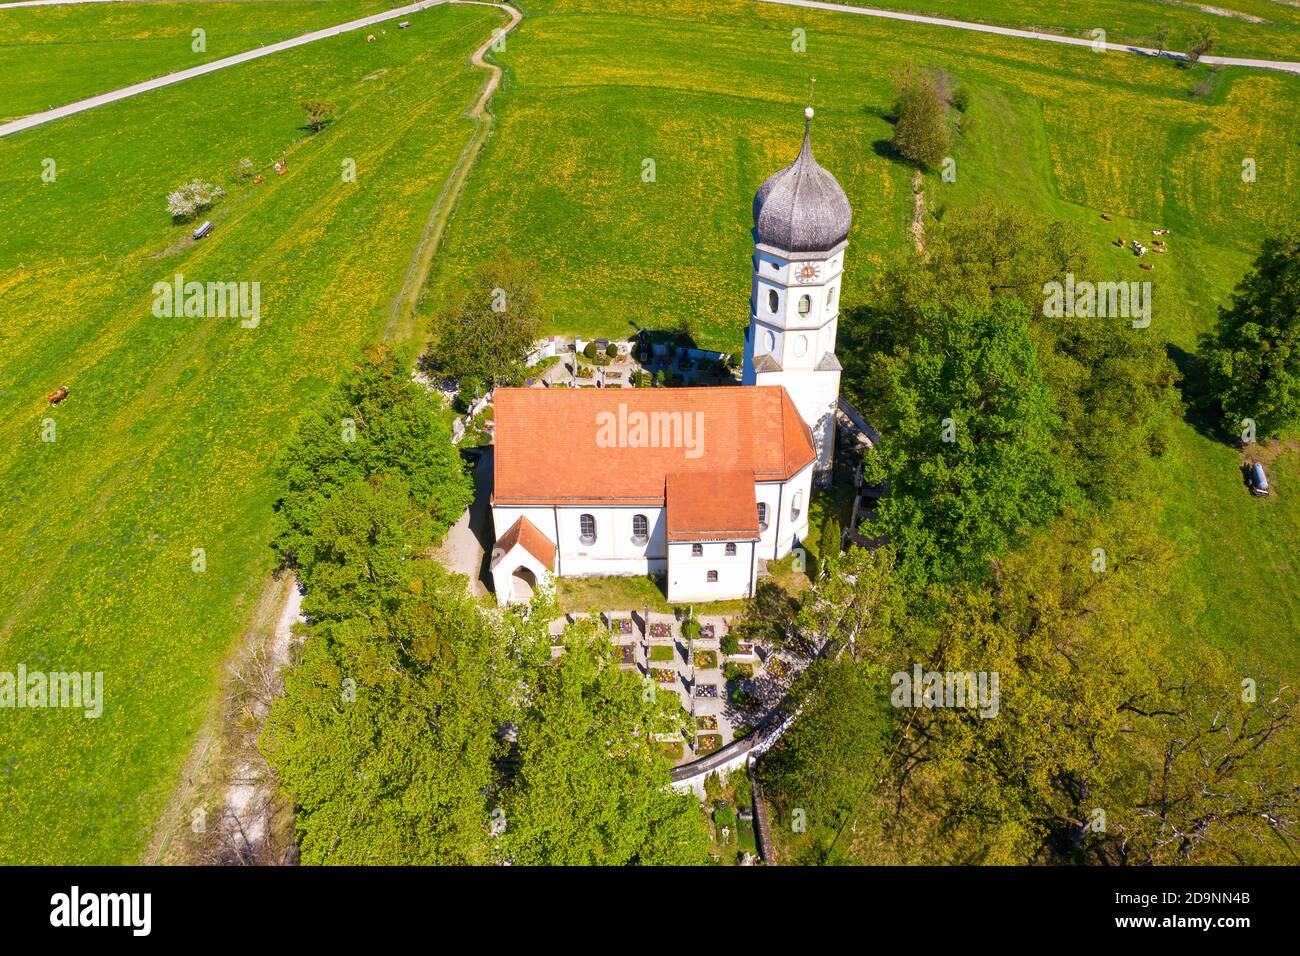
1202, 409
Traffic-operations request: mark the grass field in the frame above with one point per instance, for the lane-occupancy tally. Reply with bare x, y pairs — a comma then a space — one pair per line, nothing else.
50, 56
164, 443
1253, 28
712, 92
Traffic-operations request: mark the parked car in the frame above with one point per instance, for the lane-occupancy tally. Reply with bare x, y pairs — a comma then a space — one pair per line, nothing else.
203, 230
1258, 480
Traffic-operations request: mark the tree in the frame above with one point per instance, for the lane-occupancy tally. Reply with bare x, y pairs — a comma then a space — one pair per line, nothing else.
592, 787
362, 548
859, 603
489, 335
921, 132
319, 112
1202, 43
1253, 356
969, 428
1162, 37
194, 197
835, 751
1112, 384
376, 422
828, 549
386, 735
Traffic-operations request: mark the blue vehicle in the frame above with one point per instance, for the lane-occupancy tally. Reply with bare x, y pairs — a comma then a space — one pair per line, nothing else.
203, 230
1258, 480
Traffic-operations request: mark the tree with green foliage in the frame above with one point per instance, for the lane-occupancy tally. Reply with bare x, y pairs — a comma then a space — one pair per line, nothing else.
488, 336
858, 605
921, 130
319, 112
969, 428
368, 533
1202, 43
1253, 356
835, 752
1112, 384
376, 422
386, 735
592, 786
828, 547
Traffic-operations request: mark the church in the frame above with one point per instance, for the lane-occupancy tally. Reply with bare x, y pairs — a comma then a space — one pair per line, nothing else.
696, 484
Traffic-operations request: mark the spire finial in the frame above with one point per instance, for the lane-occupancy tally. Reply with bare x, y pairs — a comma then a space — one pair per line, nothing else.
808, 110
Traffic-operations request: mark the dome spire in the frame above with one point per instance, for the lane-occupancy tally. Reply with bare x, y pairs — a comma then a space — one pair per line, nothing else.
802, 208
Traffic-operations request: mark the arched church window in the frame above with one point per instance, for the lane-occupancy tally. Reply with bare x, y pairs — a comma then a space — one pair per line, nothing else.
773, 300
800, 345
697, 551
796, 506
731, 550
713, 577
762, 516
805, 304
769, 340
830, 299
640, 529
587, 527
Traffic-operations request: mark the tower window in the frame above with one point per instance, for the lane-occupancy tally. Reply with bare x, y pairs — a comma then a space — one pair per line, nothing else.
731, 550
713, 577
762, 516
697, 551
769, 340
830, 299
773, 300
587, 526
800, 345
640, 529
805, 304
796, 506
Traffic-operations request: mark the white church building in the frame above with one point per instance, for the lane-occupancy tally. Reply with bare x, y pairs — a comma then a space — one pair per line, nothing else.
697, 484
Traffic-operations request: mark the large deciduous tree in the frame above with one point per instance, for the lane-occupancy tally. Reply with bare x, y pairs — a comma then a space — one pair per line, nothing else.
376, 422
486, 338
1253, 356
969, 428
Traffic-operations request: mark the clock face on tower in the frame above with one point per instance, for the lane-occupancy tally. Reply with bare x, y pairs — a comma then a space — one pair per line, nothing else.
807, 272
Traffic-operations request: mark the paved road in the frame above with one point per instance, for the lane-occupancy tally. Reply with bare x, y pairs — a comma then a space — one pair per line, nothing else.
49, 116
1286, 66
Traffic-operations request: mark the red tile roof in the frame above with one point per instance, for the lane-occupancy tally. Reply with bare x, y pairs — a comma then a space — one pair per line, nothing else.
574, 446
712, 506
524, 532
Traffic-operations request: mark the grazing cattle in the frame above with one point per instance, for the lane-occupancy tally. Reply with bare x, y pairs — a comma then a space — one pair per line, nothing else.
1106, 217
58, 395
1147, 265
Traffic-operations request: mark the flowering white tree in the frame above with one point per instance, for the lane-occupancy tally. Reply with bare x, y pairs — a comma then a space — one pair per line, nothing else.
192, 198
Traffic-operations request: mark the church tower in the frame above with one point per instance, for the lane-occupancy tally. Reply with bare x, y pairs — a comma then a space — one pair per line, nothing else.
801, 228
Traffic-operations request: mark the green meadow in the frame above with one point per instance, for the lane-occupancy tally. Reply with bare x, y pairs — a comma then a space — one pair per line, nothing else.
50, 56
713, 94
136, 542
1267, 29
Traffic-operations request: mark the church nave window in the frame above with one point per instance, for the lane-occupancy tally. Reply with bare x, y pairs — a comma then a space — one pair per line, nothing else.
731, 550
697, 551
713, 577
587, 526
640, 529
762, 516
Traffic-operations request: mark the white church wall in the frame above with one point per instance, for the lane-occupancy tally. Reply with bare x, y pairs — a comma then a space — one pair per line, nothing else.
688, 575
613, 551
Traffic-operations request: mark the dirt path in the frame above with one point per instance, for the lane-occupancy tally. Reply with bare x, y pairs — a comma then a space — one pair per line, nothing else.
401, 319
917, 229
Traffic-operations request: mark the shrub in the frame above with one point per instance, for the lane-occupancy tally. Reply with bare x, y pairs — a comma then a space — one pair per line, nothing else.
589, 351
729, 644
611, 350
